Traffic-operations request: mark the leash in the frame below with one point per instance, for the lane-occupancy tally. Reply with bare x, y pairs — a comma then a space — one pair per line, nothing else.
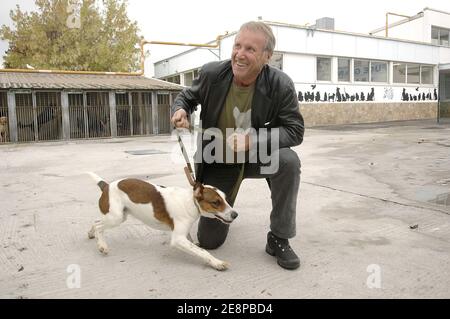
188, 168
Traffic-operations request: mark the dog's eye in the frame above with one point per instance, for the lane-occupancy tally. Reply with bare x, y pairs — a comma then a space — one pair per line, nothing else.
216, 203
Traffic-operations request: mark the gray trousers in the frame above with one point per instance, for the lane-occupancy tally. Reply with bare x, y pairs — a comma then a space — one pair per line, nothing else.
283, 183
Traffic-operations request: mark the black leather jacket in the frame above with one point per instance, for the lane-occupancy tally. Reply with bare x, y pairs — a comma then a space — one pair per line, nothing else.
274, 105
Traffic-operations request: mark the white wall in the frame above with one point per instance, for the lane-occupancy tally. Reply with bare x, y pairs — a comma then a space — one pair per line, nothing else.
185, 61
419, 29
301, 68
293, 40
352, 45
444, 55
226, 47
381, 93
414, 30
437, 19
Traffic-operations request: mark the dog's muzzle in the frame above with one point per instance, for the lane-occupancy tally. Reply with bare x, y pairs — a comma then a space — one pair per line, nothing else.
227, 218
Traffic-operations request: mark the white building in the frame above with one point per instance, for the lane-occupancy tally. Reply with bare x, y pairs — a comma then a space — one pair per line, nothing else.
344, 77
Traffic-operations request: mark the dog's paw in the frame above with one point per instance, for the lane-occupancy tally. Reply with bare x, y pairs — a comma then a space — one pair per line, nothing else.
91, 234
220, 265
103, 249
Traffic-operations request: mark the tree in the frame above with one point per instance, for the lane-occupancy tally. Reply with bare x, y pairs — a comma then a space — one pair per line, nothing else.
73, 35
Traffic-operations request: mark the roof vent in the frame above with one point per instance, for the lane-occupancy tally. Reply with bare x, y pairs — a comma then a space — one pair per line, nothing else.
325, 23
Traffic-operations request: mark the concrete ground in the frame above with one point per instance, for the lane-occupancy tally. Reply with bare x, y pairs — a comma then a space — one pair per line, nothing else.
372, 221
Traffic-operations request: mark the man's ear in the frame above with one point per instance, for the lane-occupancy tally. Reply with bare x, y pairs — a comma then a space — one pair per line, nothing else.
198, 191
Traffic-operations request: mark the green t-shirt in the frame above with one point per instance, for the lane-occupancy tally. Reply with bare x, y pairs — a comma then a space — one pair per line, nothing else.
236, 115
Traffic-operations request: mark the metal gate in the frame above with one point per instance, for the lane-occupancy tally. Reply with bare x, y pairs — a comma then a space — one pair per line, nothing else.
163, 113
134, 118
42, 122
48, 116
39, 114
142, 113
25, 117
77, 116
97, 107
123, 110
4, 120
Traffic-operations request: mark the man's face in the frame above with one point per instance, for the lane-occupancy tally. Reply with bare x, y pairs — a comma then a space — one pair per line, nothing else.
249, 56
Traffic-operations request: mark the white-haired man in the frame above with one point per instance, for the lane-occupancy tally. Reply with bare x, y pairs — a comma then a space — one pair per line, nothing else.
242, 85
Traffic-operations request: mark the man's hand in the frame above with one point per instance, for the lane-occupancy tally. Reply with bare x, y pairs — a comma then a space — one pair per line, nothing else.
180, 120
239, 142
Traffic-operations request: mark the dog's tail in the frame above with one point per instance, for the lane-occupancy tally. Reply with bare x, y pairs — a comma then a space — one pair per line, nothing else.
100, 182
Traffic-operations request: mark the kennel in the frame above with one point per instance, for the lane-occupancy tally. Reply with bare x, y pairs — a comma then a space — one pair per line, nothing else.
51, 107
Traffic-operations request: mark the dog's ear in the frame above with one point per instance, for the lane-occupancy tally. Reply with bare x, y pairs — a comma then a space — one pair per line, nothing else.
198, 190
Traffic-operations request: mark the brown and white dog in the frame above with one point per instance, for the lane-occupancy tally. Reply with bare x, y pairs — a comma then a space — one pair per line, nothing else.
165, 208
3, 129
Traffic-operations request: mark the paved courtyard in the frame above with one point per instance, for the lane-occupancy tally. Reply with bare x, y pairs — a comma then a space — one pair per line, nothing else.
373, 221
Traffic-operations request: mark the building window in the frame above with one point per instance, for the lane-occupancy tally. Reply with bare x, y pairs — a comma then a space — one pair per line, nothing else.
440, 36
434, 35
343, 70
188, 77
276, 60
196, 74
174, 79
399, 73
443, 37
361, 71
426, 74
378, 71
323, 69
413, 73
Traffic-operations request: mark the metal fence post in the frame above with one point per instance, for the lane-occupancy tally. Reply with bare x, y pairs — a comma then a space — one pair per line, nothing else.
36, 124
130, 112
65, 115
155, 112
12, 117
112, 113
85, 115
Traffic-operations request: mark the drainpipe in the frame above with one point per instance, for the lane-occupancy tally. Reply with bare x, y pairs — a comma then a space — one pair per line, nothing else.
139, 73
387, 19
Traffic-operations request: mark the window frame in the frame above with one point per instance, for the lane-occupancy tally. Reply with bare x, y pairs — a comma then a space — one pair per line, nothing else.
387, 71
331, 69
431, 75
349, 70
368, 71
438, 40
407, 72
421, 66
405, 75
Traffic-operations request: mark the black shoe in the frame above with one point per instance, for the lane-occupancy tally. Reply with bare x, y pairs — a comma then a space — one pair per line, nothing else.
280, 248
